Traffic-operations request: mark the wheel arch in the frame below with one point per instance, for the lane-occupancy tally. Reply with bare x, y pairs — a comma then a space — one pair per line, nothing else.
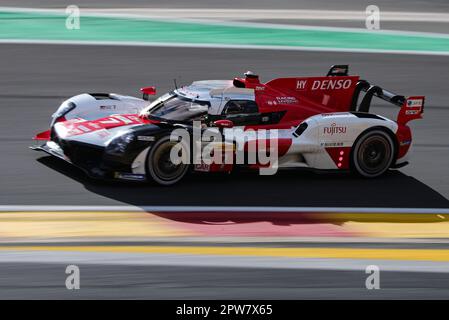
374, 128
153, 177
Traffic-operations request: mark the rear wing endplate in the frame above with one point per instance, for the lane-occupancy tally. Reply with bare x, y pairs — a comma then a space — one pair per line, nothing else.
411, 107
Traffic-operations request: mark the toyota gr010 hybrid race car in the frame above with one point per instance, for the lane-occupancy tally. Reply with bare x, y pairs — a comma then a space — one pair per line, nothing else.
319, 124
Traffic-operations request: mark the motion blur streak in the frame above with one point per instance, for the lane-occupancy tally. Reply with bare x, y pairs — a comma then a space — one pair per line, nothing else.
335, 253
133, 31
72, 226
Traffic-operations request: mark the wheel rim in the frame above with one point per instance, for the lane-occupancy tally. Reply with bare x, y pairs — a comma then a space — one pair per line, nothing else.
374, 154
162, 165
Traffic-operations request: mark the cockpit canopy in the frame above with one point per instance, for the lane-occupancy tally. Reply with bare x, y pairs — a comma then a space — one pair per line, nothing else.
175, 107
212, 98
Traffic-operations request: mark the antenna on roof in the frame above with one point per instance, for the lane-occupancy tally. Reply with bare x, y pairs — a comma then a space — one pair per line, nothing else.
176, 85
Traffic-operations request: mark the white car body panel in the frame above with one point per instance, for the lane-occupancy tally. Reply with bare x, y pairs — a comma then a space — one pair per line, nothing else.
89, 108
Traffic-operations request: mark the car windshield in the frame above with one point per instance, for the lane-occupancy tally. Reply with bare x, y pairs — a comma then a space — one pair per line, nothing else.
178, 108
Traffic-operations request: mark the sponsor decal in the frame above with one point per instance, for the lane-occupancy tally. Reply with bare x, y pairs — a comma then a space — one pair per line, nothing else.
414, 103
405, 143
202, 167
76, 127
260, 88
331, 84
332, 144
301, 84
145, 138
110, 121
129, 176
334, 129
412, 112
324, 115
339, 70
286, 100
111, 107
127, 119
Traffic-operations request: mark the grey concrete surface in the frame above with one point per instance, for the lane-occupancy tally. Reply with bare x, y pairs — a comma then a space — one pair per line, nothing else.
31, 274
399, 5
98, 281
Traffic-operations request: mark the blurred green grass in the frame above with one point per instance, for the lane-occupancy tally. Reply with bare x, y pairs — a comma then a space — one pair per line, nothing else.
43, 26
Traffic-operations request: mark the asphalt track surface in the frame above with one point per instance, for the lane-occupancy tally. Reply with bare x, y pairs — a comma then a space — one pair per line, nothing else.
36, 78
399, 5
37, 280
33, 274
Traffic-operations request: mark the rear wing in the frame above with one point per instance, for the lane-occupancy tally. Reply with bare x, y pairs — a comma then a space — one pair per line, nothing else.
411, 107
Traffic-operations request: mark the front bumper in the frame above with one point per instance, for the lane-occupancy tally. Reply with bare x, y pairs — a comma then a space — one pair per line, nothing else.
90, 161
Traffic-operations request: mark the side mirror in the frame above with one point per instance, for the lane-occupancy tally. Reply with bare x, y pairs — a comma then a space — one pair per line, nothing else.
148, 91
224, 124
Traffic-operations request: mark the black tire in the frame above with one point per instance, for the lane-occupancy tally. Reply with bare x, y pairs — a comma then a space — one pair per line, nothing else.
160, 168
372, 154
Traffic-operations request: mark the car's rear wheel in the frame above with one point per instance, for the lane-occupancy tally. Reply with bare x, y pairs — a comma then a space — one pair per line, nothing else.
372, 154
160, 167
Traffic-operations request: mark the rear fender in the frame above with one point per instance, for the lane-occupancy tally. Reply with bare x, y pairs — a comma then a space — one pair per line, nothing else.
336, 134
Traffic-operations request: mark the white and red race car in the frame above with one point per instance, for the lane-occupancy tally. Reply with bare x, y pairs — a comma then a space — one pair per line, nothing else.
306, 122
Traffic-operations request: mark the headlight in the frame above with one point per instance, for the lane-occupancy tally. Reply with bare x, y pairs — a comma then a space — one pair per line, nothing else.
117, 146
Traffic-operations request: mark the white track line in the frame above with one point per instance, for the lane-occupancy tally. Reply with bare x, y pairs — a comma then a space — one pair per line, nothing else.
227, 209
207, 20
154, 259
248, 14
222, 46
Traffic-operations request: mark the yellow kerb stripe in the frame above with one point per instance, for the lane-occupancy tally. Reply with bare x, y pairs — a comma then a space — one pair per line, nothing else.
337, 253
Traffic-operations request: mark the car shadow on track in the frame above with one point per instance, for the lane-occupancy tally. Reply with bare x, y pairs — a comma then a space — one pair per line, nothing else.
285, 189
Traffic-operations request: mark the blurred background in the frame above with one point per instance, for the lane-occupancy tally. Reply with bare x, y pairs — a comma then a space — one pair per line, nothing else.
289, 236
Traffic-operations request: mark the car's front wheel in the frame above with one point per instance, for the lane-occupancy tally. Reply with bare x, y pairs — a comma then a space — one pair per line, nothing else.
372, 154
160, 167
